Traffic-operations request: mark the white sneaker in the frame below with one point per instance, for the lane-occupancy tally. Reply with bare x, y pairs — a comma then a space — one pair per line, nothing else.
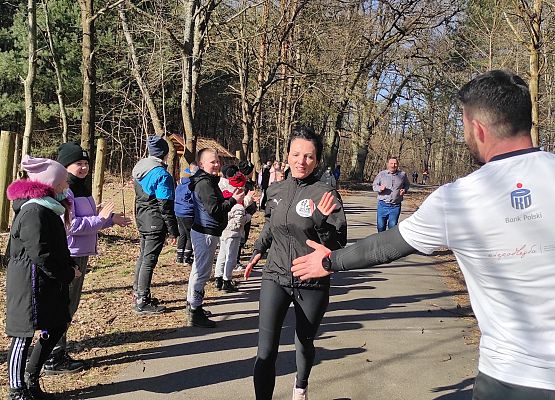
300, 394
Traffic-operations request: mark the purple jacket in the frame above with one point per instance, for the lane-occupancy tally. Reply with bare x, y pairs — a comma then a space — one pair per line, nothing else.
82, 235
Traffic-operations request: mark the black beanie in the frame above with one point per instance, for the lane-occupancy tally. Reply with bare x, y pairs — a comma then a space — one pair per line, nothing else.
71, 152
245, 167
229, 170
157, 146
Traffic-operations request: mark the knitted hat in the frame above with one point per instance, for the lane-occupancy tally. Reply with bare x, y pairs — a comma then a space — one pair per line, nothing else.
71, 152
238, 180
44, 170
229, 170
245, 167
157, 146
227, 194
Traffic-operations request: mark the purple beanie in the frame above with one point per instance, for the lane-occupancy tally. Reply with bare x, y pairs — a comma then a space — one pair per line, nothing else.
44, 170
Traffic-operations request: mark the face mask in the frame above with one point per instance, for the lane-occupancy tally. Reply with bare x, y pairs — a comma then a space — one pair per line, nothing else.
62, 196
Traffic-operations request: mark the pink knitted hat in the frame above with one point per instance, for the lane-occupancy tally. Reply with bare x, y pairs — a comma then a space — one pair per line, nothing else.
44, 170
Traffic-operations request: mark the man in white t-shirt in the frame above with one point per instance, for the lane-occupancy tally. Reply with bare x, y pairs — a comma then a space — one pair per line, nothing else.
499, 222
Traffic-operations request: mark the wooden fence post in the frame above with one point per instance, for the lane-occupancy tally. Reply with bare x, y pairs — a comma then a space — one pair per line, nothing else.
7, 148
99, 166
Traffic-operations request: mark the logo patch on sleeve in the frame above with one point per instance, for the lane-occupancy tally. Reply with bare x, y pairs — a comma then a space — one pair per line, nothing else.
305, 208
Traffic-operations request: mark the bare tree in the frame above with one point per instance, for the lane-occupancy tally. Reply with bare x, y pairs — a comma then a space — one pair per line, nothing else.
29, 81
56, 65
531, 16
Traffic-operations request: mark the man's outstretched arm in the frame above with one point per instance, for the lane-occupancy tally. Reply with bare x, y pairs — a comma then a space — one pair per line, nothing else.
380, 248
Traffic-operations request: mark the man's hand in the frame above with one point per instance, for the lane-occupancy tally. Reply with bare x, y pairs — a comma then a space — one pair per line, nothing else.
310, 266
251, 265
382, 188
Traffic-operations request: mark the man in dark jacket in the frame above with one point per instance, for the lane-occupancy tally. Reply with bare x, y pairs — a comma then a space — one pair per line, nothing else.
154, 212
210, 220
264, 183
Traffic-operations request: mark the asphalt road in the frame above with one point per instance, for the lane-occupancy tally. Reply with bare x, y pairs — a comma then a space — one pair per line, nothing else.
390, 333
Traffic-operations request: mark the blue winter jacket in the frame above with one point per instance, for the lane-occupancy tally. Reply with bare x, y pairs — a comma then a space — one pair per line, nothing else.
183, 204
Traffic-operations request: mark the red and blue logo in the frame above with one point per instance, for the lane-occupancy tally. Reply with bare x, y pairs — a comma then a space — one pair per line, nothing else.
521, 198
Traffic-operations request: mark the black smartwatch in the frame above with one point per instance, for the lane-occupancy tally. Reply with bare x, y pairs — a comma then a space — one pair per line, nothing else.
326, 263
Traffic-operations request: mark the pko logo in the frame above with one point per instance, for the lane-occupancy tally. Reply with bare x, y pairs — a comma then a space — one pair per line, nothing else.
521, 198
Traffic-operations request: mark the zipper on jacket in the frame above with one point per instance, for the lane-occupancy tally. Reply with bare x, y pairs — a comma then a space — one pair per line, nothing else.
289, 233
297, 185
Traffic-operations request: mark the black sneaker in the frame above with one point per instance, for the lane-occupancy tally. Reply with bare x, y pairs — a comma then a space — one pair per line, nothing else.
62, 364
34, 389
229, 287
219, 282
146, 308
197, 317
19, 394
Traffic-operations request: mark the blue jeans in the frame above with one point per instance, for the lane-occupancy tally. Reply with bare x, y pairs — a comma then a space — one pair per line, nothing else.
387, 214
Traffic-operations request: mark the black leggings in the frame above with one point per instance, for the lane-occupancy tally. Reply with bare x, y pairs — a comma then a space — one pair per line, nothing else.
17, 355
488, 388
310, 306
184, 240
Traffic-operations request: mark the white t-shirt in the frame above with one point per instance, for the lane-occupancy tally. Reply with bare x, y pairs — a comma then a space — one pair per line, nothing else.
500, 223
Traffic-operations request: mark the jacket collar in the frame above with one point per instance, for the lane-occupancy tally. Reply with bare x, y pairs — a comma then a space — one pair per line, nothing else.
304, 181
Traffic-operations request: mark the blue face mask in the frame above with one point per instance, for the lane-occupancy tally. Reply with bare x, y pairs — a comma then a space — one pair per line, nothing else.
62, 196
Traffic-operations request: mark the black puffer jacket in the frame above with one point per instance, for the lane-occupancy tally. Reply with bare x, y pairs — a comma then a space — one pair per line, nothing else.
40, 266
292, 217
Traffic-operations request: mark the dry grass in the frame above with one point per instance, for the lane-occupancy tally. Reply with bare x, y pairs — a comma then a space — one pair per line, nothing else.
105, 332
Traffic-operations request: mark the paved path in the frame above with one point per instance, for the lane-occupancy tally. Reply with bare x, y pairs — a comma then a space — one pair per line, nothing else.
390, 333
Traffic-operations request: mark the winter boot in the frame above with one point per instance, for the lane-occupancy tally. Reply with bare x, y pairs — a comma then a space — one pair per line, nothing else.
33, 386
179, 256
145, 306
62, 363
219, 282
19, 394
189, 257
229, 287
197, 317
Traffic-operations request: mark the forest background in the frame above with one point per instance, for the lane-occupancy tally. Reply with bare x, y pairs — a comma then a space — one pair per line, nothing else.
374, 78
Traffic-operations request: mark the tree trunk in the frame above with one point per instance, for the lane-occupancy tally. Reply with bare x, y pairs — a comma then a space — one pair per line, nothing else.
89, 76
29, 81
136, 72
535, 48
55, 65
188, 91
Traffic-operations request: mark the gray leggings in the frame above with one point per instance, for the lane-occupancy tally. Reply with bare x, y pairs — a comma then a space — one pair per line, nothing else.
488, 388
310, 306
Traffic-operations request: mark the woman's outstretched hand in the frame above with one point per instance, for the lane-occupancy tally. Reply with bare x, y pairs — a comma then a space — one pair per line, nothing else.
253, 261
326, 204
